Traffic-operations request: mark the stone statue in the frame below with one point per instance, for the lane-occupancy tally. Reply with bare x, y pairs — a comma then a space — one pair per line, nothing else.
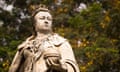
44, 51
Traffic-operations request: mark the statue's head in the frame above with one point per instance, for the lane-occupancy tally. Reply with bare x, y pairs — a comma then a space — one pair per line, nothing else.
42, 18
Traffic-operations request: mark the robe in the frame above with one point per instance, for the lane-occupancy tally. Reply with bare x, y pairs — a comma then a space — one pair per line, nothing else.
30, 58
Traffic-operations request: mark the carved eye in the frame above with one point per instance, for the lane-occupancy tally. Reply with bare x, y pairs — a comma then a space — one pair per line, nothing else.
49, 18
42, 17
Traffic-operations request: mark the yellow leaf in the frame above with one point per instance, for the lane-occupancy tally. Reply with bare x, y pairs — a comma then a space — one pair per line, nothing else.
107, 18
89, 63
102, 25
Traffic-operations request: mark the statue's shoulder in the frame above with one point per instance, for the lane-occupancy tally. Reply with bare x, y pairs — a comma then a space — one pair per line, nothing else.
26, 42
57, 40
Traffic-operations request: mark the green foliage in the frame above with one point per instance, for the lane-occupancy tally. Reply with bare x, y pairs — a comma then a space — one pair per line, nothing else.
90, 17
92, 59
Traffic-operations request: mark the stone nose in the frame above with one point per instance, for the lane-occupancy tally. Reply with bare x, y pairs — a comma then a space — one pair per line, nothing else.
46, 22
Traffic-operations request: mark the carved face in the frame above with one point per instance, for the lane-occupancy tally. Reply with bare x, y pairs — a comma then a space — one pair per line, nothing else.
43, 21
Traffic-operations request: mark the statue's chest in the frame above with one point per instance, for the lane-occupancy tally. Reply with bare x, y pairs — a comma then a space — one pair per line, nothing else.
41, 45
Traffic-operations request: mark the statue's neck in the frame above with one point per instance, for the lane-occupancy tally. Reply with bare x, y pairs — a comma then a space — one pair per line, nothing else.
45, 32
42, 35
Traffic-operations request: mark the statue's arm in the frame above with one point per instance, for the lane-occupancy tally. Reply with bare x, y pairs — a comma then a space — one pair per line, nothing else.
19, 55
16, 62
68, 57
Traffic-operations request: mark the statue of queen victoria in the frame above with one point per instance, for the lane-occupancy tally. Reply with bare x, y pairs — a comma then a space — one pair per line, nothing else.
44, 51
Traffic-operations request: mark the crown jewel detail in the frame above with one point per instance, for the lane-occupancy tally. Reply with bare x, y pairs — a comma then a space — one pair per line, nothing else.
37, 8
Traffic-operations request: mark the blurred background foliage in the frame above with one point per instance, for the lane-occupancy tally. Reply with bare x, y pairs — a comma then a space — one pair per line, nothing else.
91, 26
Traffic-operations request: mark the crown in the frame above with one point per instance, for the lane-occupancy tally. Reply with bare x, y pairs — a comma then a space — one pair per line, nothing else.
38, 8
